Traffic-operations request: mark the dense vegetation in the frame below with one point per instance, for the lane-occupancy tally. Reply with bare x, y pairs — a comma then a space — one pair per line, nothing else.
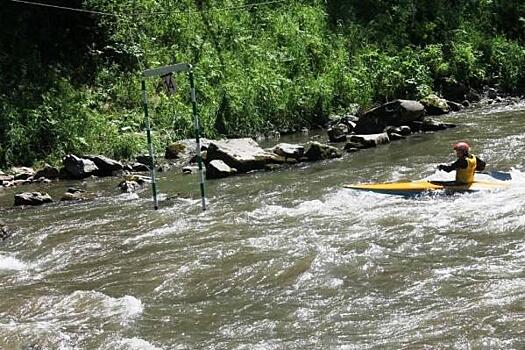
70, 80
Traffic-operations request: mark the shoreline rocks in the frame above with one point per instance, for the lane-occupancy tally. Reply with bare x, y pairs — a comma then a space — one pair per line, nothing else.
394, 120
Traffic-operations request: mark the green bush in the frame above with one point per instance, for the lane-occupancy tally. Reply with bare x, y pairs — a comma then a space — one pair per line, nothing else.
505, 62
277, 65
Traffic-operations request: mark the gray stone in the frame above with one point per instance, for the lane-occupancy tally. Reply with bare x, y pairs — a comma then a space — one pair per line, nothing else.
454, 106
395, 136
5, 179
242, 154
217, 169
32, 198
394, 113
371, 140
337, 133
129, 186
48, 172
139, 167
317, 151
288, 150
435, 105
430, 125
185, 149
106, 166
4, 233
75, 194
492, 93
22, 173
79, 168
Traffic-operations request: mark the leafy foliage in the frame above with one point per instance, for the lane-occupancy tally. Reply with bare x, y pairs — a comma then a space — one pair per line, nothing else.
74, 85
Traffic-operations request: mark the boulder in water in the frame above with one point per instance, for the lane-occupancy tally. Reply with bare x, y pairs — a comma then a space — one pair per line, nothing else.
32, 198
394, 113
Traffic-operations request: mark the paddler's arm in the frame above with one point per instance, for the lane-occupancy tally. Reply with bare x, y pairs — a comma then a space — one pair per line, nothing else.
460, 163
480, 165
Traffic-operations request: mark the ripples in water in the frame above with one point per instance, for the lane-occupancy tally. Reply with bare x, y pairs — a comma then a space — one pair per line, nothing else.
283, 260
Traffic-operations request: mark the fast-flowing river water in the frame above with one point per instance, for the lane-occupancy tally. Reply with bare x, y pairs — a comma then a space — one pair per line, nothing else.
280, 260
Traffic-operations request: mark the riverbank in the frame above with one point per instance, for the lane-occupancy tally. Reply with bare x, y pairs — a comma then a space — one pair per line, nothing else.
393, 121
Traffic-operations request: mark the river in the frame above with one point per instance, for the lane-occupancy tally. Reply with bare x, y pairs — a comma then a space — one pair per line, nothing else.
287, 259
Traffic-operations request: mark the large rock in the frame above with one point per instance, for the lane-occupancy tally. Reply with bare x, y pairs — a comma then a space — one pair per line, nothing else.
217, 169
370, 140
106, 166
22, 173
4, 179
185, 149
288, 150
79, 168
32, 198
242, 154
435, 105
394, 113
453, 90
318, 151
338, 132
48, 172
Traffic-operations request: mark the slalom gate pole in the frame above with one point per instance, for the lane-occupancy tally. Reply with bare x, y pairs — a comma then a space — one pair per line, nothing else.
150, 147
197, 136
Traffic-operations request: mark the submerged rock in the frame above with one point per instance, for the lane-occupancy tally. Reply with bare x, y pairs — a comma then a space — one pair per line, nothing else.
4, 233
133, 183
76, 194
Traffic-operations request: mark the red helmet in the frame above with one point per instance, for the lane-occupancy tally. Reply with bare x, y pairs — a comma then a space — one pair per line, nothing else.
462, 146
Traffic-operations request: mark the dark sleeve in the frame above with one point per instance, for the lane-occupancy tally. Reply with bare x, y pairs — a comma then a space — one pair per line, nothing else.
460, 163
480, 165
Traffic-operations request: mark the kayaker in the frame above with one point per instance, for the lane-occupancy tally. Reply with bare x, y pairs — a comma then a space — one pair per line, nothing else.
466, 164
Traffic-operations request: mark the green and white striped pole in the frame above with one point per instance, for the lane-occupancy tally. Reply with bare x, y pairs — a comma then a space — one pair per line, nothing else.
150, 146
197, 136
162, 71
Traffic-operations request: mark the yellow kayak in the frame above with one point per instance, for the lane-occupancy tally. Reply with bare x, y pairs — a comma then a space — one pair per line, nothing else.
423, 186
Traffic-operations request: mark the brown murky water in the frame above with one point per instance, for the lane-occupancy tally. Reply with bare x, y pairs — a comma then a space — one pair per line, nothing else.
281, 260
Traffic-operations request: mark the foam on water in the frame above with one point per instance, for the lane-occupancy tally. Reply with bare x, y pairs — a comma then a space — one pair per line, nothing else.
281, 260
133, 344
51, 319
9, 263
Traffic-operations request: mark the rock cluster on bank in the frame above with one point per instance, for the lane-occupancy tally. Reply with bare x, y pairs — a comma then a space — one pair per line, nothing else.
391, 121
